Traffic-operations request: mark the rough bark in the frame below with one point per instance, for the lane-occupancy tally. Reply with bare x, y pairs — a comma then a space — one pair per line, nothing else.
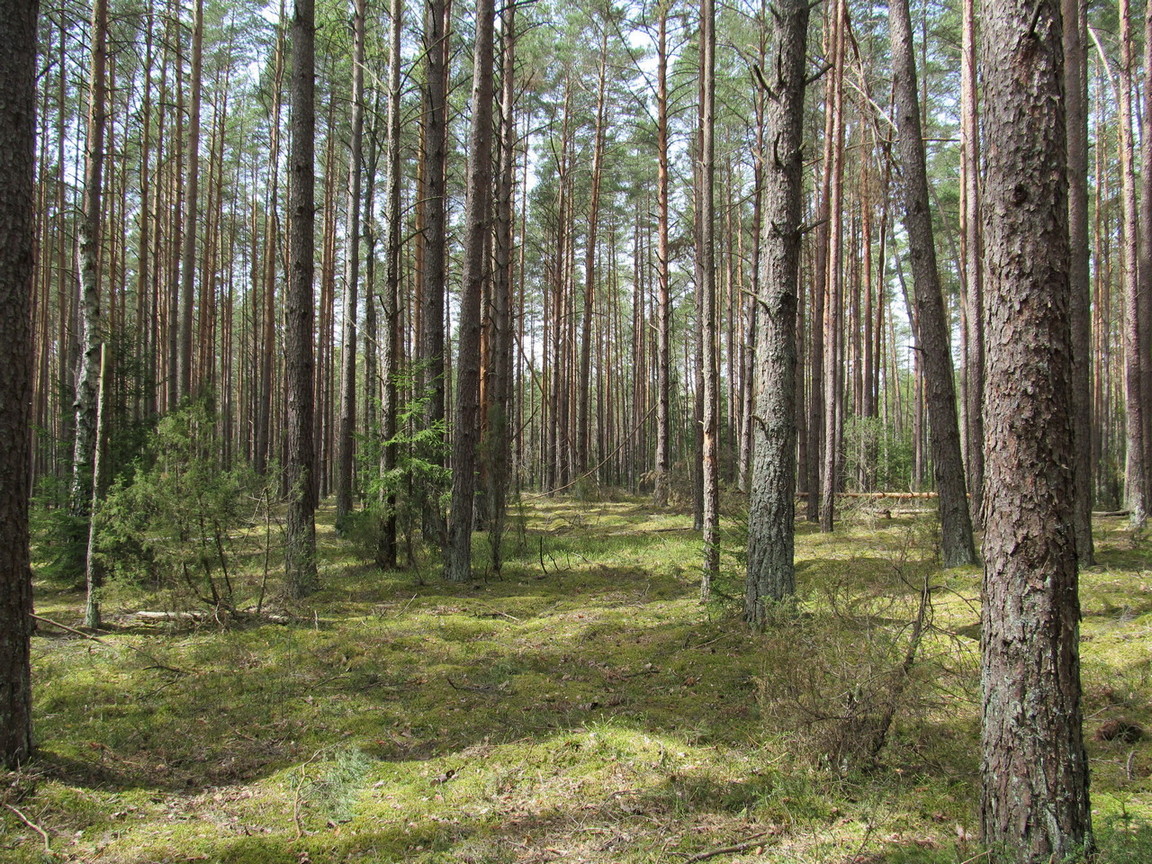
466, 425
387, 548
300, 532
772, 505
931, 317
17, 232
434, 203
1035, 772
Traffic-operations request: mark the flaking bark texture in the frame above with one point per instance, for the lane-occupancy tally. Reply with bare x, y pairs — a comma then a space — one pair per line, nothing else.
300, 534
17, 228
771, 519
931, 318
1035, 773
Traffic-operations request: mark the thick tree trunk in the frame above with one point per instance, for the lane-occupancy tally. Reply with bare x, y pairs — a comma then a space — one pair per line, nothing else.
1035, 771
300, 534
772, 506
346, 433
466, 425
931, 317
18, 39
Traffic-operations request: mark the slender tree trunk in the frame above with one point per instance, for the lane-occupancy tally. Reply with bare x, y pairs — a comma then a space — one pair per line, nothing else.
18, 39
498, 448
833, 368
300, 534
1135, 472
466, 426
711, 425
772, 506
1075, 13
931, 317
1035, 771
93, 570
346, 433
663, 459
387, 551
584, 382
263, 410
192, 191
434, 201
972, 251
87, 377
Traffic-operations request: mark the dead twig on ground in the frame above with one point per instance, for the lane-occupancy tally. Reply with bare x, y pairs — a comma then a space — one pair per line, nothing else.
34, 827
751, 843
156, 664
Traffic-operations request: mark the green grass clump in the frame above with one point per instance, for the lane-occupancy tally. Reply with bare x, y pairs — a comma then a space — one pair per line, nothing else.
582, 706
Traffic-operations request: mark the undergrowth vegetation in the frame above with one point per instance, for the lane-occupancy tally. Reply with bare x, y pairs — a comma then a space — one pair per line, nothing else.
581, 707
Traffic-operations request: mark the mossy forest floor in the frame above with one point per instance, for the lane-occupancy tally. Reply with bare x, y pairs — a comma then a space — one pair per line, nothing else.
584, 706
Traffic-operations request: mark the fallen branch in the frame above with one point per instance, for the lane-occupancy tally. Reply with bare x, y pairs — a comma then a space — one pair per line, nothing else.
210, 616
472, 688
751, 843
156, 664
34, 827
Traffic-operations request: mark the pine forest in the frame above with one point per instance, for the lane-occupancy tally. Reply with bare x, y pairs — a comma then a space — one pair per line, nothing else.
618, 431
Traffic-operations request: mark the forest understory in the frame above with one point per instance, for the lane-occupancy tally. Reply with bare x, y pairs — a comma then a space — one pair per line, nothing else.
583, 706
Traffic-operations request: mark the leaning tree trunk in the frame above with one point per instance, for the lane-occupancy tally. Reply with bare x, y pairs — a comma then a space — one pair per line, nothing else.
466, 428
1035, 771
300, 533
17, 235
931, 317
772, 513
